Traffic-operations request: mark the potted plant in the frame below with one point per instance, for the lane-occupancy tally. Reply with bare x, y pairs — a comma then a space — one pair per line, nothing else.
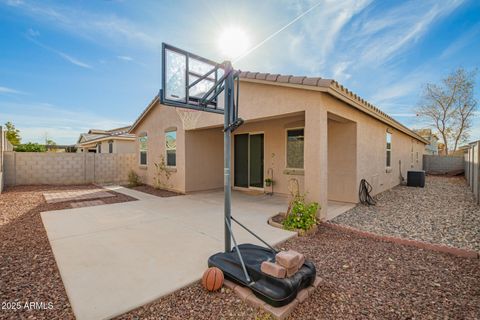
268, 182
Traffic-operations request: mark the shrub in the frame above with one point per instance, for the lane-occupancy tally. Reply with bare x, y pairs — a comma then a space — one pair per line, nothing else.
133, 179
30, 147
162, 175
303, 216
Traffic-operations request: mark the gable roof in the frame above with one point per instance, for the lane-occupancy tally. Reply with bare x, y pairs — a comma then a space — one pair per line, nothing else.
100, 135
329, 86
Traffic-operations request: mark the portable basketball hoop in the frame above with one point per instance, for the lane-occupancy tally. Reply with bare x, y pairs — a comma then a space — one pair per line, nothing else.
193, 84
189, 117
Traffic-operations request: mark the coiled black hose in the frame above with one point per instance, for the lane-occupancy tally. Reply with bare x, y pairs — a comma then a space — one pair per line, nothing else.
364, 193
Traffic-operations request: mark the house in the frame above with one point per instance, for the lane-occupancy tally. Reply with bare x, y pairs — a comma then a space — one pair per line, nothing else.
107, 141
304, 131
427, 134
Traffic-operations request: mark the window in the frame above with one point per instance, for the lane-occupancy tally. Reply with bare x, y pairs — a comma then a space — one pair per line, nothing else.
110, 146
417, 156
389, 149
143, 144
99, 147
295, 142
171, 148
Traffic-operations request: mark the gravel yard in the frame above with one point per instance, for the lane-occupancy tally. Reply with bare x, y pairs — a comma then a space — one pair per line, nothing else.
28, 272
362, 279
443, 212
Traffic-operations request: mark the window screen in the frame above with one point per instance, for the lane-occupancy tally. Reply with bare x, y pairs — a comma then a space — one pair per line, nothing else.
171, 148
295, 141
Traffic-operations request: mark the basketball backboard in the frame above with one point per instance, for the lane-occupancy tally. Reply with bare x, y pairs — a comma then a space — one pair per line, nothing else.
190, 81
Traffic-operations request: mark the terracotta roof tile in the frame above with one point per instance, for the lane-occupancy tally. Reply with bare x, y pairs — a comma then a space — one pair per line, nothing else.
262, 76
251, 75
311, 81
284, 79
272, 77
297, 80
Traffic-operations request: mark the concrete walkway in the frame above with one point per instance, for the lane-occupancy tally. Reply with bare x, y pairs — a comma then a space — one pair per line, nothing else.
114, 258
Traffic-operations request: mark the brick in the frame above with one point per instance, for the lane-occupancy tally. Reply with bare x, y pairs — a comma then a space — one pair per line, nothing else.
287, 259
291, 271
303, 295
317, 282
254, 301
229, 284
273, 269
281, 313
243, 292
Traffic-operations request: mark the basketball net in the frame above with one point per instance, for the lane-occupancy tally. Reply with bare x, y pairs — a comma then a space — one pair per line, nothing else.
189, 118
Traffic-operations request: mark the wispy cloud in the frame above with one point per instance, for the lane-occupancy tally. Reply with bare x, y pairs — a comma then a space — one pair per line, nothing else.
125, 58
6, 90
61, 123
94, 26
61, 54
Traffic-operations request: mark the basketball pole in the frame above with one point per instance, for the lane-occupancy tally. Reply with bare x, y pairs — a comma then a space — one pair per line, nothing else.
228, 115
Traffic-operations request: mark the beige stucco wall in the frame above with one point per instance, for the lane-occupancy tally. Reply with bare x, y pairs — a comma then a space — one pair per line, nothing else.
160, 119
342, 160
119, 146
264, 108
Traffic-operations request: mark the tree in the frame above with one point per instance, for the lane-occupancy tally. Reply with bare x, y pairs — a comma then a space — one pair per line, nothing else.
30, 147
449, 107
12, 134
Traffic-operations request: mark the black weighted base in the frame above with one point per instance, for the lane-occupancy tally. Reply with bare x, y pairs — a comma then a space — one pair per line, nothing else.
276, 292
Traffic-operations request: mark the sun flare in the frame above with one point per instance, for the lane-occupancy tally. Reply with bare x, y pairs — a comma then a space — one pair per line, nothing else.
233, 42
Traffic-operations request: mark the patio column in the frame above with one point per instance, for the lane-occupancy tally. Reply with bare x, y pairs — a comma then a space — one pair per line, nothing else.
316, 157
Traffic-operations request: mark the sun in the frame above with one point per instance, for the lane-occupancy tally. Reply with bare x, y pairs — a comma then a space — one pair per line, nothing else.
233, 42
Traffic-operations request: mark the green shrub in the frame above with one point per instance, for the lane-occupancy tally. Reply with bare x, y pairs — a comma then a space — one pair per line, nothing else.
303, 216
30, 147
133, 179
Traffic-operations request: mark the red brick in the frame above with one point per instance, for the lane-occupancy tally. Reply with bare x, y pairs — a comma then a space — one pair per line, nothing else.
273, 269
243, 292
287, 259
281, 313
291, 271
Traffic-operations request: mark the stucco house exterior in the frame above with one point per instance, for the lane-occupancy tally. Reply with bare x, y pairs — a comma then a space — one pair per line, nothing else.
312, 130
432, 147
116, 140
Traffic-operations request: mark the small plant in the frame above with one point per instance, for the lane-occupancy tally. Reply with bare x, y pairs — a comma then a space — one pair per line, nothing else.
162, 175
268, 182
133, 179
303, 215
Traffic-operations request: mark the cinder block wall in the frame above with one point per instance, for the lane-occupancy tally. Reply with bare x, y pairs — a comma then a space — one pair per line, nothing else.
442, 164
30, 168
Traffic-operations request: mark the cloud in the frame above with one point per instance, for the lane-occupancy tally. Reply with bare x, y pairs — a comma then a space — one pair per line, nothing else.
125, 58
33, 33
63, 55
93, 26
63, 125
469, 37
6, 90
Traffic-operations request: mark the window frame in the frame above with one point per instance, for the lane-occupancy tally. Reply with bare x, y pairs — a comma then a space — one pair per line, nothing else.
99, 147
388, 134
286, 148
165, 145
143, 135
110, 146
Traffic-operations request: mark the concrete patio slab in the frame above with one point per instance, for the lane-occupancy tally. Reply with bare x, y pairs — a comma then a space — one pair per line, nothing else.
114, 258
75, 195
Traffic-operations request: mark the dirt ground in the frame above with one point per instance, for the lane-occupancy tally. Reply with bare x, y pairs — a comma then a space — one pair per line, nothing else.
28, 272
443, 212
362, 278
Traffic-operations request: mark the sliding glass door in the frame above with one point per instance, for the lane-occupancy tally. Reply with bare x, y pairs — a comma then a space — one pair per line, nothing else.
248, 160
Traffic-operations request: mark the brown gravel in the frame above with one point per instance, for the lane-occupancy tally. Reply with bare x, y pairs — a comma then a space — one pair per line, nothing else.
28, 272
362, 279
156, 192
443, 212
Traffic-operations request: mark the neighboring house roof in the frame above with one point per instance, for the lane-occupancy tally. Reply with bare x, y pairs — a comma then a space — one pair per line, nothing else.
312, 83
97, 135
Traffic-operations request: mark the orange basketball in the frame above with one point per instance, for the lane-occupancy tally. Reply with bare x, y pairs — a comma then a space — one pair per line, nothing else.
212, 279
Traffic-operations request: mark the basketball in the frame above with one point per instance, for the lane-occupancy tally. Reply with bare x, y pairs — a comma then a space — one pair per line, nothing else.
212, 279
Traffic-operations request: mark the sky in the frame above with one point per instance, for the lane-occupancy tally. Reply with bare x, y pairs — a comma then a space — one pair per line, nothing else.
68, 66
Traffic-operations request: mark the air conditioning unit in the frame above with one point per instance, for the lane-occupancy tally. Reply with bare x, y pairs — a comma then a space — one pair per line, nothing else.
416, 178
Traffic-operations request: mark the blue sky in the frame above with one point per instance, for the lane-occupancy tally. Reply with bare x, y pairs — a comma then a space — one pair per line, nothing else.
68, 66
